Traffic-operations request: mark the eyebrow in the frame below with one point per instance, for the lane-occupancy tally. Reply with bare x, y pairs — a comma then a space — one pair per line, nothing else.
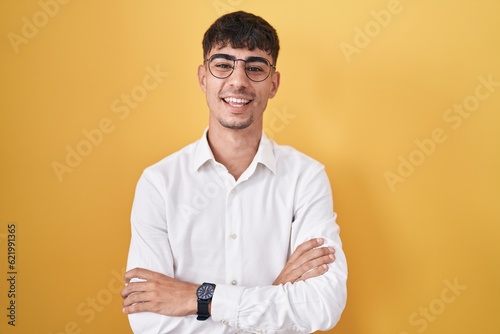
229, 57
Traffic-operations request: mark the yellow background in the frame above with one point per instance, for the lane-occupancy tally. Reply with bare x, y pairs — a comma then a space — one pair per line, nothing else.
359, 112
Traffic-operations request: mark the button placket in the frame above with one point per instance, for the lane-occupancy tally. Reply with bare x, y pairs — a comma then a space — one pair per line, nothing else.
233, 251
233, 246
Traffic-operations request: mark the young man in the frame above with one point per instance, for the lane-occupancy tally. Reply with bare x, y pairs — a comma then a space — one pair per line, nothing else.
235, 233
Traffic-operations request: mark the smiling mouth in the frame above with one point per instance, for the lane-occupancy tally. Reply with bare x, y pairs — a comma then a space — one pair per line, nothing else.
237, 103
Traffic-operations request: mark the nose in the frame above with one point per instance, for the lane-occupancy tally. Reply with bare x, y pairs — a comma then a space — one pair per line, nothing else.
239, 77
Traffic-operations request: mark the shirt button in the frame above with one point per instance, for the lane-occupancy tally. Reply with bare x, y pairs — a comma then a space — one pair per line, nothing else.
233, 236
234, 282
233, 191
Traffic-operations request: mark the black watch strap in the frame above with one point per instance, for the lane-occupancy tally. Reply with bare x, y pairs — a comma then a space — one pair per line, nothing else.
203, 310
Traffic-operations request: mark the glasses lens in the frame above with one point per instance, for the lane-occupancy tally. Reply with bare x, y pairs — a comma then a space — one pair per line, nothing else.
221, 67
257, 70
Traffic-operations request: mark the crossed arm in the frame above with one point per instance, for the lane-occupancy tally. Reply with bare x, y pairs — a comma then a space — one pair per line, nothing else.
308, 294
165, 295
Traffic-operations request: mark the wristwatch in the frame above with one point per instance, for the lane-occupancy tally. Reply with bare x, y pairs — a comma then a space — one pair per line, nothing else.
205, 292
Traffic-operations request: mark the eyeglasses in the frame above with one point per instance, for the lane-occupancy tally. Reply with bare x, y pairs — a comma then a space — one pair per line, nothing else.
256, 68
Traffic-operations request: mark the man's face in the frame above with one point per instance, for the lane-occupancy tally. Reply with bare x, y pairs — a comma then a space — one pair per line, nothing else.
236, 102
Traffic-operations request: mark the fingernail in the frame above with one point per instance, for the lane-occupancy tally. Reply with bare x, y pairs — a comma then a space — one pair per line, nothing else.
319, 240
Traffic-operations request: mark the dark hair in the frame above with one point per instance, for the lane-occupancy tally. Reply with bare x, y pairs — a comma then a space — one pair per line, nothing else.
242, 30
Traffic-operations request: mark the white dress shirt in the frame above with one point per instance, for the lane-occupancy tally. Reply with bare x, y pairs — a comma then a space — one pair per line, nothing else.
192, 221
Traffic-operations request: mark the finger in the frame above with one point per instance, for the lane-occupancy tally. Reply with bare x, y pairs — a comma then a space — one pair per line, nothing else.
316, 262
305, 247
136, 308
318, 271
137, 297
134, 287
127, 291
313, 254
296, 268
137, 273
296, 273
317, 253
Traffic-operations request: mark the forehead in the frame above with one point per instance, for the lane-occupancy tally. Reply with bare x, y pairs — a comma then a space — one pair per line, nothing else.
240, 53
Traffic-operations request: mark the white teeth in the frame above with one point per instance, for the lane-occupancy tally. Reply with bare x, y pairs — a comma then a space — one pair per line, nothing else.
235, 101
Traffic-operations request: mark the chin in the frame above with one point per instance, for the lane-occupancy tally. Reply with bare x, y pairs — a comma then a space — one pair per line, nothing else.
236, 125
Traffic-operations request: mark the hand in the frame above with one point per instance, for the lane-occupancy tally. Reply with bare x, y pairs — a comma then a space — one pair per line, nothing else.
307, 261
158, 293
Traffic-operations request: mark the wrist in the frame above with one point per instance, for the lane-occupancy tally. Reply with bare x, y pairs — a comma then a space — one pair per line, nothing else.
188, 296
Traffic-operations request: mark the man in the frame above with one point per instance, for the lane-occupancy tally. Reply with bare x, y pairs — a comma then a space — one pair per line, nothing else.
234, 233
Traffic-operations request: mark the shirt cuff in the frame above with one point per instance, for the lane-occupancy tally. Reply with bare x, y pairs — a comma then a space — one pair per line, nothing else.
225, 304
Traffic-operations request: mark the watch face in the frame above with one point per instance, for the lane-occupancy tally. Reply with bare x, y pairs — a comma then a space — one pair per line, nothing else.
206, 291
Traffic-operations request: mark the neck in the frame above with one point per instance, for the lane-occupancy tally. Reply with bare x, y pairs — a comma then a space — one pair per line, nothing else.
235, 149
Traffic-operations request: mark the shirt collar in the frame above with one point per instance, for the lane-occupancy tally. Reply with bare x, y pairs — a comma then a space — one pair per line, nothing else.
265, 153
202, 153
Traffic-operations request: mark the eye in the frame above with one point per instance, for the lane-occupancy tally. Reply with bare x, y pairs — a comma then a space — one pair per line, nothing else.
222, 64
255, 68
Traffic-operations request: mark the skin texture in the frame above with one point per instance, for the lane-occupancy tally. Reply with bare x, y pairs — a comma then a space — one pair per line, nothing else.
234, 133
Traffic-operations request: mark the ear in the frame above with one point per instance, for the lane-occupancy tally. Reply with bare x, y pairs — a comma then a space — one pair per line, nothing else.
202, 77
275, 84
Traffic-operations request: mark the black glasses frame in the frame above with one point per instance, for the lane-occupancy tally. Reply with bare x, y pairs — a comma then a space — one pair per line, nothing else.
234, 60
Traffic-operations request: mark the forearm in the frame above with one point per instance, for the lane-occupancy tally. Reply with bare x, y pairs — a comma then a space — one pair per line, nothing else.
307, 306
304, 306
